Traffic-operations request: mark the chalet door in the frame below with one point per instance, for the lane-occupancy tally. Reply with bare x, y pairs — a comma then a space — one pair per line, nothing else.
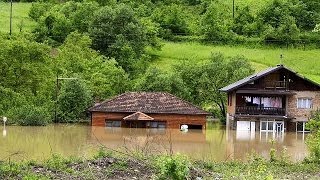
253, 126
243, 125
279, 126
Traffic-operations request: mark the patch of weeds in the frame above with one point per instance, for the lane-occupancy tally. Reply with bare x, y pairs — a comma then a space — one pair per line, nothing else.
86, 174
173, 167
102, 153
32, 176
58, 163
282, 159
10, 169
120, 165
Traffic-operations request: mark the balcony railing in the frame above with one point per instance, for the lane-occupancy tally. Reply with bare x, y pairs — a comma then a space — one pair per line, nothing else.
276, 84
255, 110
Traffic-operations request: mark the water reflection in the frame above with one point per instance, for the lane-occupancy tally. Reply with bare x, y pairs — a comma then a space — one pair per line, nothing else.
213, 144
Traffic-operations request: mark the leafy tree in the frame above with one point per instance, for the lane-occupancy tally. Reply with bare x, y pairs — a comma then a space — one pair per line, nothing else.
278, 22
172, 20
62, 19
24, 65
73, 101
117, 32
203, 81
155, 80
39, 9
102, 75
307, 14
244, 23
216, 24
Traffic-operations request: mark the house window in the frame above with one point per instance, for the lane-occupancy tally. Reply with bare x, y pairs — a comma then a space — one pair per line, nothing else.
158, 124
304, 103
272, 126
113, 123
301, 127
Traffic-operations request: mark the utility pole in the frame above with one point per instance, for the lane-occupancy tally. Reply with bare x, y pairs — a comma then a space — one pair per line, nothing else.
57, 93
10, 17
233, 9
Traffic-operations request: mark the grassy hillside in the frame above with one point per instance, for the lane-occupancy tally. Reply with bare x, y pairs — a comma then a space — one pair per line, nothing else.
20, 17
306, 62
255, 5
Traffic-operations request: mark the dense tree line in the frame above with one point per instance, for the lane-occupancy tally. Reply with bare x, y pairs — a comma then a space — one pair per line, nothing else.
102, 46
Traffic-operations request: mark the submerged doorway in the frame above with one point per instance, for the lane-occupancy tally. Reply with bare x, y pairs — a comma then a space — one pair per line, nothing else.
272, 126
137, 124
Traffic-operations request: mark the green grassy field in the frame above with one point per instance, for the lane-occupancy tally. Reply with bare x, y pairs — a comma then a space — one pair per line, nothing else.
20, 17
305, 62
255, 5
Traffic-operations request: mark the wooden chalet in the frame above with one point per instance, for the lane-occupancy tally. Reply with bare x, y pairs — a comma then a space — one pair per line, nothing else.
275, 100
147, 110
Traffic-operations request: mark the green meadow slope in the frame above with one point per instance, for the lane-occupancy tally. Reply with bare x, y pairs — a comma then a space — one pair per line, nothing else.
305, 62
20, 19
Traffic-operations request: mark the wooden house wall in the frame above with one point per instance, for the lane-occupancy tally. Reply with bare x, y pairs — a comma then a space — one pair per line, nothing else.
173, 120
296, 83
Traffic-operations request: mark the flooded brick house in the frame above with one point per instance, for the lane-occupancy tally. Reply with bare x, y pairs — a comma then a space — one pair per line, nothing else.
274, 100
147, 110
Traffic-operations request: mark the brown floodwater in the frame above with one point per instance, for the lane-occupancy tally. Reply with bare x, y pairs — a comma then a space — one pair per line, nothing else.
39, 143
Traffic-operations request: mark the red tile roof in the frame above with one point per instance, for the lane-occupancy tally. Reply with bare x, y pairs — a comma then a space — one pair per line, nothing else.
147, 102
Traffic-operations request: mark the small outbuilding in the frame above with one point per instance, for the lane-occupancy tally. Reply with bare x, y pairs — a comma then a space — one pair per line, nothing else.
147, 110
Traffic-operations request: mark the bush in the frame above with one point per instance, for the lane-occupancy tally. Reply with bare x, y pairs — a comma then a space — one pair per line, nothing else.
173, 167
73, 101
39, 9
313, 140
30, 115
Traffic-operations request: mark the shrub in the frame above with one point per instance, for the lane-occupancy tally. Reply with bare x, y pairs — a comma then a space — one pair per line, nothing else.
313, 140
38, 9
56, 162
73, 101
30, 115
173, 167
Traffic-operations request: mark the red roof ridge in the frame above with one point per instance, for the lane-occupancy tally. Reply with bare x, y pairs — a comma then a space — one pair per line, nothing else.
148, 102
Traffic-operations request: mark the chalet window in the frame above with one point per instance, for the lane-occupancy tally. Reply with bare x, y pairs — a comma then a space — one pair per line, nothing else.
304, 103
301, 127
271, 126
113, 123
158, 124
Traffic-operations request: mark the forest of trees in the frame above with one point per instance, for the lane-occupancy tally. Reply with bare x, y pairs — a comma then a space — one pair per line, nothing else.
102, 44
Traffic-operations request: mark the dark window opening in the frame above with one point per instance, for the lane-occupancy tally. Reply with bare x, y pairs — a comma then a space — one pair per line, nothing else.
156, 124
113, 123
192, 126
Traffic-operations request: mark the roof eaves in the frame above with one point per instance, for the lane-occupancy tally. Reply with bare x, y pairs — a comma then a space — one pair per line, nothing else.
249, 79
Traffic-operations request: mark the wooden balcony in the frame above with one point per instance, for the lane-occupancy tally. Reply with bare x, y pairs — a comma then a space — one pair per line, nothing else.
276, 85
255, 110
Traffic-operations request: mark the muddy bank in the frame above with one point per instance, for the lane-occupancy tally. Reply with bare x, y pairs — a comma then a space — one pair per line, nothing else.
109, 166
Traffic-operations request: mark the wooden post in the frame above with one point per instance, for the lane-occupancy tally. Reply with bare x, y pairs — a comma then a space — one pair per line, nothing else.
56, 103
10, 17
233, 9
